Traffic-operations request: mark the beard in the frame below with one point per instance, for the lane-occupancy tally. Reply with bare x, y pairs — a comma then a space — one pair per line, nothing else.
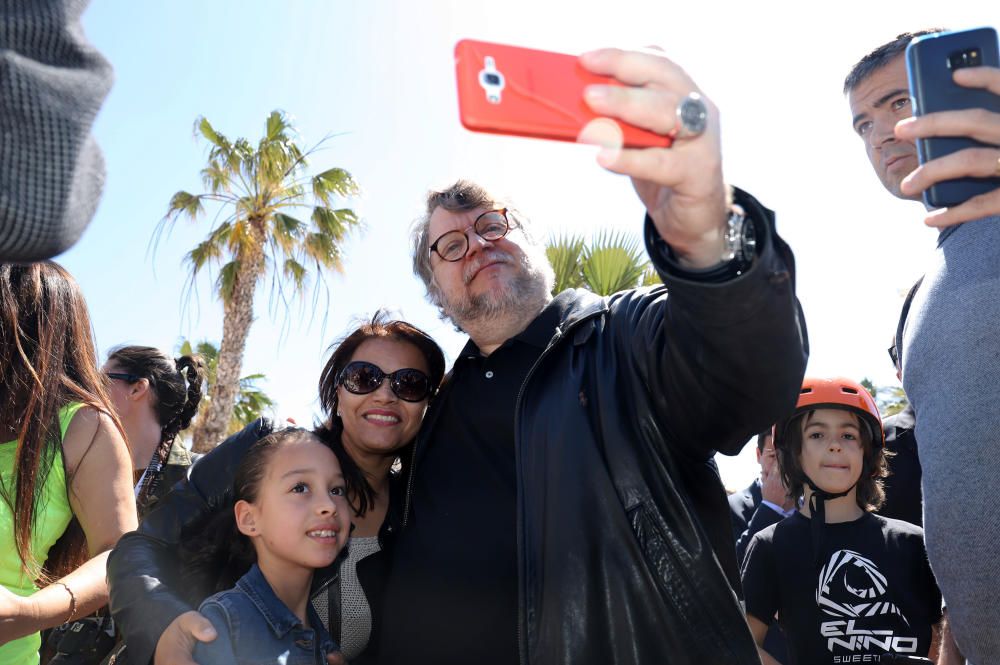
526, 291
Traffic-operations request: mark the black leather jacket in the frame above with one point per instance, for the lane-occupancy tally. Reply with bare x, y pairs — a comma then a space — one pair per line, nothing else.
624, 538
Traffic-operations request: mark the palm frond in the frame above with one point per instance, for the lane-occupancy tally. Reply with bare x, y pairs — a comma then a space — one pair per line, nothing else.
564, 254
334, 182
321, 248
335, 223
185, 203
296, 272
227, 279
612, 263
204, 127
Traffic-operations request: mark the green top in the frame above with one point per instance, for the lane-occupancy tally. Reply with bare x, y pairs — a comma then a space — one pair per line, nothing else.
51, 519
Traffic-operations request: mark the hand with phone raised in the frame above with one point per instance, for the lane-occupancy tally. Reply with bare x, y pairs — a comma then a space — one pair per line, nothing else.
681, 186
956, 123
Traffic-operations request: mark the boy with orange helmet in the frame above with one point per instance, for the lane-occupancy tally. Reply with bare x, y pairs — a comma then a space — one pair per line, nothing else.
844, 583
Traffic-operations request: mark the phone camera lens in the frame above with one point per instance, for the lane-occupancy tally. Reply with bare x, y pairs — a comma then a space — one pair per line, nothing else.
491, 79
968, 58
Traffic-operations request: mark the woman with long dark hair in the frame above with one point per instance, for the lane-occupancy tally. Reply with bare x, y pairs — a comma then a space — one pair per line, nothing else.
155, 396
62, 457
374, 391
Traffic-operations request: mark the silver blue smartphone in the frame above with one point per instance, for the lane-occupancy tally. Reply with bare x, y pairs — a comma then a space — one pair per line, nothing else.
930, 62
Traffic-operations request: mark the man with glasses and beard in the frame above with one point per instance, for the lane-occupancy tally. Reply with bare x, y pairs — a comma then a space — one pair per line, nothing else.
564, 506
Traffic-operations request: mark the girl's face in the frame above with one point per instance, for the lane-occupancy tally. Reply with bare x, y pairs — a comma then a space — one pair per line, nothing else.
832, 452
380, 423
301, 518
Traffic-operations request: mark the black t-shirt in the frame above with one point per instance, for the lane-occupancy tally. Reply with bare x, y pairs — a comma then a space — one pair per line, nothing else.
451, 597
873, 594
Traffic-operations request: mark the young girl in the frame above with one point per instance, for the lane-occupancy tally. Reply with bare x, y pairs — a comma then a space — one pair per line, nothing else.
846, 585
291, 505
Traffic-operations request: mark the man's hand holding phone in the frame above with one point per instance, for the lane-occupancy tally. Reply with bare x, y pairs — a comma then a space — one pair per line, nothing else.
978, 124
682, 186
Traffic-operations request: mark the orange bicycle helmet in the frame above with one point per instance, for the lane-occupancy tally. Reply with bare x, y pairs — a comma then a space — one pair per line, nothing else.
838, 393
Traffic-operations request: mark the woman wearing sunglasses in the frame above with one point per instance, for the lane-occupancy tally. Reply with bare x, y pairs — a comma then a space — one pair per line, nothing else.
373, 391
155, 396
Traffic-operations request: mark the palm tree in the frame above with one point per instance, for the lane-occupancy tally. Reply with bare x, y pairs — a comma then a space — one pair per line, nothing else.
251, 401
611, 263
255, 188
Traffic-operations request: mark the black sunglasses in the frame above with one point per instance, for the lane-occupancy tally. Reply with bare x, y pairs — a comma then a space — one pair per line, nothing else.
408, 384
122, 376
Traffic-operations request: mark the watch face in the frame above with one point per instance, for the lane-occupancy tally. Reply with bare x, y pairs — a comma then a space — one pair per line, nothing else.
694, 115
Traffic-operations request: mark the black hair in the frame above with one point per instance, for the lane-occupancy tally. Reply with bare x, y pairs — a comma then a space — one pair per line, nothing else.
881, 57
176, 385
762, 440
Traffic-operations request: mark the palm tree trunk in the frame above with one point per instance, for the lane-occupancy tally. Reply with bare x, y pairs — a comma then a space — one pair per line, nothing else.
236, 322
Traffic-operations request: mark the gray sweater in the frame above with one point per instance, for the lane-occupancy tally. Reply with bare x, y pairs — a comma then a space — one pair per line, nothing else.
52, 83
951, 374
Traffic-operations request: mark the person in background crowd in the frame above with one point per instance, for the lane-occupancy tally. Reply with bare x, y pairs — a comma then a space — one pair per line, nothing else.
763, 503
767, 495
155, 396
845, 584
951, 374
64, 457
52, 84
902, 486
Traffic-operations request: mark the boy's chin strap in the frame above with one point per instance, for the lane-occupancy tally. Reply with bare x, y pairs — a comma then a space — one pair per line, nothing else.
817, 511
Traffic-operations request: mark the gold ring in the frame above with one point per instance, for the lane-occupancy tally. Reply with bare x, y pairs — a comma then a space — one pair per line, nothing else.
998, 167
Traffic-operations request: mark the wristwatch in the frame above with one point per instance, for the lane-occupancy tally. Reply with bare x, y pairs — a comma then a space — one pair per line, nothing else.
740, 240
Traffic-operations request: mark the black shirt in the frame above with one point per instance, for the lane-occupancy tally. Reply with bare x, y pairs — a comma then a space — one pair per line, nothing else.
874, 594
903, 499
452, 593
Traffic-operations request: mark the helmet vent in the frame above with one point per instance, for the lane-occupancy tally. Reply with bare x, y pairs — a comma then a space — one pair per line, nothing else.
850, 391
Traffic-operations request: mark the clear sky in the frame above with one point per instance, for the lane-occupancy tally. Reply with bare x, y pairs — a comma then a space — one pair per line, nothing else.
380, 74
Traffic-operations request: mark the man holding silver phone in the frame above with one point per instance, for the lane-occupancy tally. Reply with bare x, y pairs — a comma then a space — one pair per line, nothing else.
950, 347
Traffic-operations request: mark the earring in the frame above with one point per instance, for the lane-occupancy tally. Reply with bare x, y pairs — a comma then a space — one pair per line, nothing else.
338, 413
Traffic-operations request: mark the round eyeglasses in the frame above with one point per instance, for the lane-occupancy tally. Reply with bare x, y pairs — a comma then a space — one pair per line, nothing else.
454, 245
408, 384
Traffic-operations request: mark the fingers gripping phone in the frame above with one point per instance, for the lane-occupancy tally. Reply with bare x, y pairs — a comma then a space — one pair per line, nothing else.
930, 62
524, 92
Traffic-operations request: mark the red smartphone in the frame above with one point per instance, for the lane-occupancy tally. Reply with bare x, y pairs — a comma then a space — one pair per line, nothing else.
506, 89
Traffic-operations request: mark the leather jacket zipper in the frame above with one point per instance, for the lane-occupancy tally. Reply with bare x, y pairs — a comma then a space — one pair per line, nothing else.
522, 648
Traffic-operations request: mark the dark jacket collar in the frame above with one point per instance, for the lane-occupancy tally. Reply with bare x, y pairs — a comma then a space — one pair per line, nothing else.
562, 312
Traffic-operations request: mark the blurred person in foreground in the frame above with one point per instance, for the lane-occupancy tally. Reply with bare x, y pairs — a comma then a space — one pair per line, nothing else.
52, 84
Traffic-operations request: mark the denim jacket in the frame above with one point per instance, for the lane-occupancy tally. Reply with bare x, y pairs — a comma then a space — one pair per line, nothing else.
255, 628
